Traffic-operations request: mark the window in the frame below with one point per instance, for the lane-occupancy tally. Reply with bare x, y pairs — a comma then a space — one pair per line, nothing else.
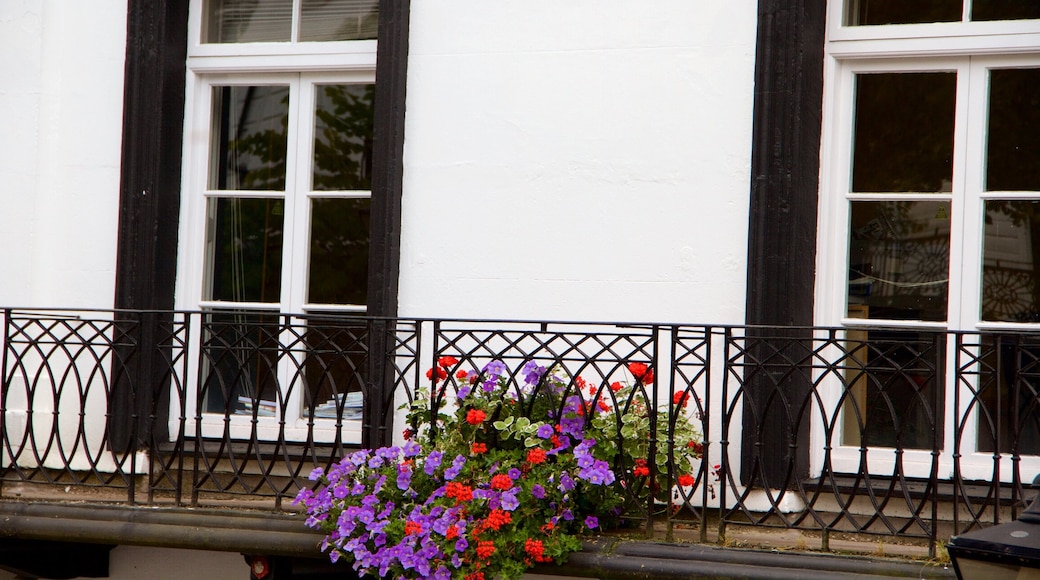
929, 195
276, 212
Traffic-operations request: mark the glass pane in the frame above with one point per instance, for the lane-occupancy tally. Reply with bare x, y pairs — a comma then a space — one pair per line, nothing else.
899, 260
892, 397
865, 12
338, 272
334, 368
1011, 261
1008, 393
1012, 148
1004, 9
248, 143
343, 138
338, 19
247, 21
239, 363
245, 251
904, 132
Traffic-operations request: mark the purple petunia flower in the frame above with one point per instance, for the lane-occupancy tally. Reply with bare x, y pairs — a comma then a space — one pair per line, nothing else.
433, 461
514, 474
538, 491
545, 431
591, 522
411, 449
509, 501
532, 372
495, 367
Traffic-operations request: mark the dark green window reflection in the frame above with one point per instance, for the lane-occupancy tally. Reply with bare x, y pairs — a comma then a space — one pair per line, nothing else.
1004, 9
240, 363
248, 146
899, 260
868, 12
893, 393
245, 256
343, 138
904, 132
338, 272
1013, 141
1011, 261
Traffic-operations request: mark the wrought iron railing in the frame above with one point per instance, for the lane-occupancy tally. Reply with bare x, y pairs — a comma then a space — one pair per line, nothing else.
888, 431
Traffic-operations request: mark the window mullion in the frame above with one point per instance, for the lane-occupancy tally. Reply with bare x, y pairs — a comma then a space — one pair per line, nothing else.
965, 242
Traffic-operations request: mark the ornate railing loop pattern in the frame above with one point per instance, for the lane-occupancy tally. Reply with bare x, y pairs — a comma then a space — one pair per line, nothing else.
874, 430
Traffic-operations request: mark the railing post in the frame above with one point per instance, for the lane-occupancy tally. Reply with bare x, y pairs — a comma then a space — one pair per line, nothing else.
374, 414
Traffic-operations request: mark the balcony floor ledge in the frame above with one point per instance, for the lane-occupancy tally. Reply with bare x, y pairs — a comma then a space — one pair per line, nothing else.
262, 532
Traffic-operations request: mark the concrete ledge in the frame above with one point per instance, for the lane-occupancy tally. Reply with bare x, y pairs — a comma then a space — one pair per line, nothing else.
257, 532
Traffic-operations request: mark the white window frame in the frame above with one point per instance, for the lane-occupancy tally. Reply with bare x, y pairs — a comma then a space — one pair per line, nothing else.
301, 66
970, 49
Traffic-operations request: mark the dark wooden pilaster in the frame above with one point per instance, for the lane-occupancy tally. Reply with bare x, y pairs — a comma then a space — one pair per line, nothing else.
785, 165
149, 203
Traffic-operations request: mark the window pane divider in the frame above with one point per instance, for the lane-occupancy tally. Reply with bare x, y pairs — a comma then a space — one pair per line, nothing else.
244, 194
882, 323
222, 305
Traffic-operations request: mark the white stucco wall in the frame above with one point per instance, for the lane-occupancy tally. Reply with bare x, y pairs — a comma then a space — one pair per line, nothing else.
61, 99
584, 160
136, 563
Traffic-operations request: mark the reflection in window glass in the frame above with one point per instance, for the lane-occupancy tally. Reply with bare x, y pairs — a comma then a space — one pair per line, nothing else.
867, 12
248, 145
343, 138
887, 155
892, 397
239, 363
322, 20
1010, 267
338, 272
1004, 9
1012, 145
247, 21
245, 252
1008, 394
334, 367
899, 260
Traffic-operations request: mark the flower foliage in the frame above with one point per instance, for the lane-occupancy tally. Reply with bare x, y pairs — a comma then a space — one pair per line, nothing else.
496, 475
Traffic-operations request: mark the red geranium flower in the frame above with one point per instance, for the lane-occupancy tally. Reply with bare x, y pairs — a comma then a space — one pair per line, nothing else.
642, 373
681, 399
475, 416
461, 375
485, 549
440, 374
536, 456
686, 480
447, 361
478, 448
501, 482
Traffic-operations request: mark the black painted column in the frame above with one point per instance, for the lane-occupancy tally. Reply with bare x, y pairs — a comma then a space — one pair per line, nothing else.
384, 251
785, 165
149, 207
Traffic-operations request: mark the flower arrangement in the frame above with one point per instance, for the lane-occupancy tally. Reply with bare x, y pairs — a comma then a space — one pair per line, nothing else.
496, 475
